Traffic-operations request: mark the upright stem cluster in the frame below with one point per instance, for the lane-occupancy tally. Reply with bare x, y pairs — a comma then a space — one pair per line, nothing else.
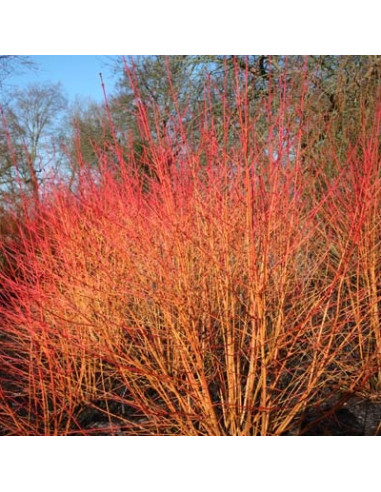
221, 293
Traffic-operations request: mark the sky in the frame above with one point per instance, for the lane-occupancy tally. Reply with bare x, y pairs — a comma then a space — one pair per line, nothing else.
78, 74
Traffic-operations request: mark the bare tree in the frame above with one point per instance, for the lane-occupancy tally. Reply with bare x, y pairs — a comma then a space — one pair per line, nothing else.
32, 119
13, 65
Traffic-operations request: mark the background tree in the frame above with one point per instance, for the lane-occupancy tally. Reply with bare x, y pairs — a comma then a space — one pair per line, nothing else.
32, 123
89, 132
11, 65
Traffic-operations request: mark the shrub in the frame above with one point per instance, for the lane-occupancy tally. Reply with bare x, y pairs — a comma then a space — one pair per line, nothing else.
223, 292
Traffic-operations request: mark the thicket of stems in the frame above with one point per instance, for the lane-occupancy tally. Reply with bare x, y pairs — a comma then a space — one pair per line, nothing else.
218, 283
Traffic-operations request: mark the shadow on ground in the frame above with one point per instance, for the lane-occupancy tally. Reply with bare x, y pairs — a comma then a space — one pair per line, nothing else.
356, 417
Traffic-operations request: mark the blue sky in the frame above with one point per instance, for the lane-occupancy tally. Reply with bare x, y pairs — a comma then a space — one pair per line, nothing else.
78, 74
